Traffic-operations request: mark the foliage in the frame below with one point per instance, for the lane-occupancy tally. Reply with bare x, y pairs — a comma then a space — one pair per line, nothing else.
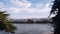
55, 6
4, 23
56, 19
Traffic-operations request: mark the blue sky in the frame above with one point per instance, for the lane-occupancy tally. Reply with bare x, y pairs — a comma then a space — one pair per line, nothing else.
26, 8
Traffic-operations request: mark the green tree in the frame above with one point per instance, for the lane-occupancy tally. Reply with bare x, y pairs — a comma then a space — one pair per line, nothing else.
4, 23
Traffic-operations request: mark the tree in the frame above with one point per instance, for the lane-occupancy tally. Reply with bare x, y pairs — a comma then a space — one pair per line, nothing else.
4, 23
56, 19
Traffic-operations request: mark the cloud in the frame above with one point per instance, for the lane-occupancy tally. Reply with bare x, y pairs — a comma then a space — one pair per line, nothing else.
21, 3
12, 9
26, 17
43, 12
28, 10
24, 9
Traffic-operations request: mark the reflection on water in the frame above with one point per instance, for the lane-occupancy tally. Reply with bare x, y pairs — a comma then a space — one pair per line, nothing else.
33, 28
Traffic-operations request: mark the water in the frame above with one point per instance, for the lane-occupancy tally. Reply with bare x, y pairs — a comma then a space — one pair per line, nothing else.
32, 29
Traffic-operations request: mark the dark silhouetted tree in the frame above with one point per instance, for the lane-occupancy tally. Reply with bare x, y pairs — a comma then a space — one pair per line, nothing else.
56, 20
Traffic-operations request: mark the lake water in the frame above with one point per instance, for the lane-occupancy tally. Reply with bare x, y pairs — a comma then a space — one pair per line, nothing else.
32, 29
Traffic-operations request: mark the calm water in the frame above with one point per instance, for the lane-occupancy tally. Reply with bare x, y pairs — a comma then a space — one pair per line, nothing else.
32, 29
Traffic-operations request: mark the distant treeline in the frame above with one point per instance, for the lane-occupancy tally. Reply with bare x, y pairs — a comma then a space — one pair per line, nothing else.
31, 21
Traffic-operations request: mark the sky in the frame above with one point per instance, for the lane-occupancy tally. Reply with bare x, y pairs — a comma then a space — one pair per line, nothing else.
23, 9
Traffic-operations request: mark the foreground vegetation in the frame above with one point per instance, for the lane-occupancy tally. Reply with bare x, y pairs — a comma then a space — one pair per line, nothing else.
4, 23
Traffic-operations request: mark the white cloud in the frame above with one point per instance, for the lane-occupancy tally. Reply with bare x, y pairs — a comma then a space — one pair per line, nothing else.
26, 17
19, 3
29, 10
13, 9
26, 8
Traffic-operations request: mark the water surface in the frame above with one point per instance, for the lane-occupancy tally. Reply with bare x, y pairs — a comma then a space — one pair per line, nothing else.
32, 29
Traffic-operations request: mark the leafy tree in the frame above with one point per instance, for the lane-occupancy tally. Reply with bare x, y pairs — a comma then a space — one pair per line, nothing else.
4, 23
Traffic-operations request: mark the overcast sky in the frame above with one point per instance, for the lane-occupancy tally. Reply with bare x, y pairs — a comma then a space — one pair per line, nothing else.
26, 8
